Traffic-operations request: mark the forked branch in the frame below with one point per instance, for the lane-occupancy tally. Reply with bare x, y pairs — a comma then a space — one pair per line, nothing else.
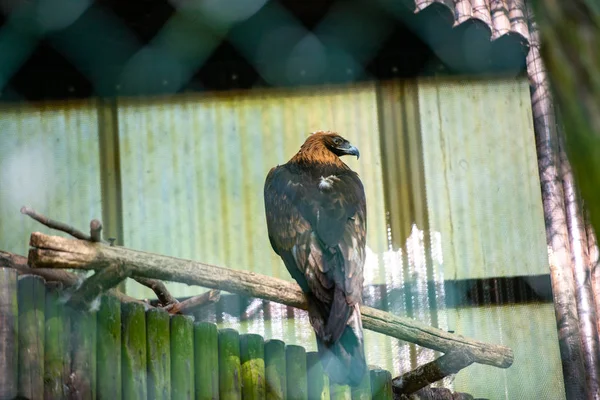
163, 295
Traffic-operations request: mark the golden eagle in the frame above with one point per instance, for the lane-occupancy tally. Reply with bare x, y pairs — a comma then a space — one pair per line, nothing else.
317, 219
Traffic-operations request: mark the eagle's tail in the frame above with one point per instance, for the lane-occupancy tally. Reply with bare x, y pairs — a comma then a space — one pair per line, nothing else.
344, 360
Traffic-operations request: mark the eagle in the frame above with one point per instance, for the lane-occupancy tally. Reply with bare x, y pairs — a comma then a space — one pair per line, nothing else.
316, 215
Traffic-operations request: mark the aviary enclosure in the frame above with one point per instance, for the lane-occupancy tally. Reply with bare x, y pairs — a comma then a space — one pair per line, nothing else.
155, 123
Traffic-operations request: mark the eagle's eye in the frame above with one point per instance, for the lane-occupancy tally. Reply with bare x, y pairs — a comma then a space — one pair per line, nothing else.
337, 141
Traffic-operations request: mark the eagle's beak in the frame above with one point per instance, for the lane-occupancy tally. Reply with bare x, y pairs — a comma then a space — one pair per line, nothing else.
352, 151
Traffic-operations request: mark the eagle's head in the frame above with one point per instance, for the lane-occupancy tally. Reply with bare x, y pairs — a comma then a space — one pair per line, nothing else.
326, 146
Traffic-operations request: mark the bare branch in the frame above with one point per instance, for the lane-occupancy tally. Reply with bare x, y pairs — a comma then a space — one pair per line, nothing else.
193, 303
161, 291
96, 231
59, 252
15, 261
164, 297
52, 224
433, 371
98, 283
52, 275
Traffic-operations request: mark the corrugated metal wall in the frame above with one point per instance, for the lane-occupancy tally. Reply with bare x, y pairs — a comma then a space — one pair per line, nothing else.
483, 189
193, 170
483, 216
49, 160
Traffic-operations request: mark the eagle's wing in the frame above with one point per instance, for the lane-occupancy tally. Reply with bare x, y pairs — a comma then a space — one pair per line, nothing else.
319, 229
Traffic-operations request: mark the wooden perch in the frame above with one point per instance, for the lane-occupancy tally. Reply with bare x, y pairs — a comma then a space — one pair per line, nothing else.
189, 305
160, 290
99, 283
58, 252
95, 235
423, 375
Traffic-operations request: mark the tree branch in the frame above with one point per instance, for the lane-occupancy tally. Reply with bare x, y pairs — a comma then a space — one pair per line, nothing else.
58, 252
96, 231
18, 262
161, 291
433, 371
193, 303
65, 278
164, 297
57, 225
99, 283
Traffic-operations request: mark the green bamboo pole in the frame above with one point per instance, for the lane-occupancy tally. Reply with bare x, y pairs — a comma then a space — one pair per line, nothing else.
363, 390
295, 366
252, 353
158, 353
318, 381
57, 360
32, 299
381, 384
133, 351
275, 369
229, 365
83, 352
182, 357
340, 392
108, 346
206, 360
9, 334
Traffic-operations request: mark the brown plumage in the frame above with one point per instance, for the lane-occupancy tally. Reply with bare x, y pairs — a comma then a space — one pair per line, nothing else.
316, 219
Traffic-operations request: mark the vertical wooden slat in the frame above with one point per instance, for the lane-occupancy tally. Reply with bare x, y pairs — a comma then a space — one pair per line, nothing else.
275, 369
133, 351
229, 365
9, 331
110, 170
31, 297
57, 360
381, 384
182, 357
295, 366
83, 353
318, 382
252, 353
109, 349
158, 354
206, 360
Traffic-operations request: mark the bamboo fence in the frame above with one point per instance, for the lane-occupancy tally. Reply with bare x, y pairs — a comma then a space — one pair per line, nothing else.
124, 350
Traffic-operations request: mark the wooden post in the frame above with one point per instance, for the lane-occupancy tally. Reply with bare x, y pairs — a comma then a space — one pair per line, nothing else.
182, 357
340, 392
229, 365
57, 360
9, 333
206, 360
295, 366
83, 353
275, 369
252, 353
32, 299
318, 382
133, 351
363, 390
158, 353
381, 384
109, 349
